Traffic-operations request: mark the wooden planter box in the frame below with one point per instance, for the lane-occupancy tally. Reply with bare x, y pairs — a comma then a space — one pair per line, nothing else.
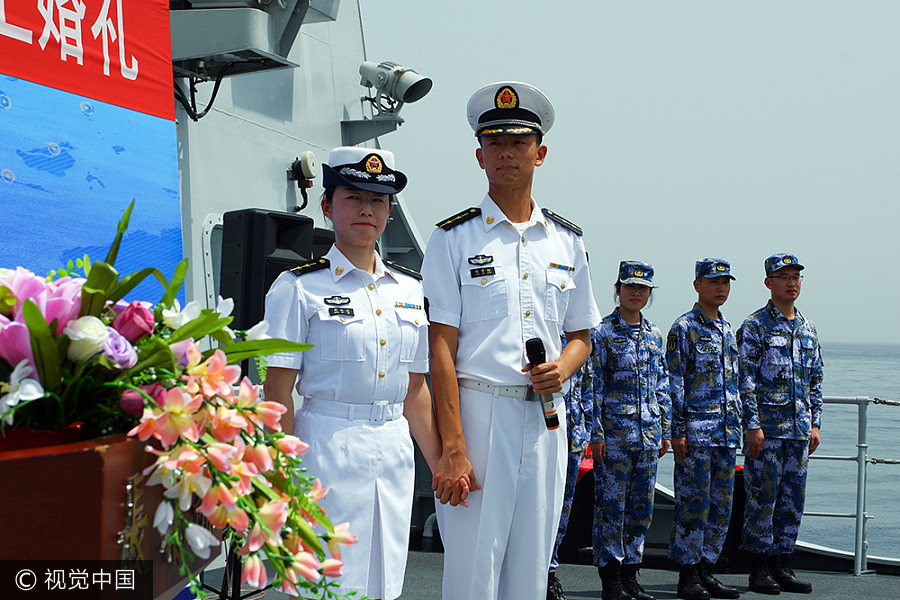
69, 503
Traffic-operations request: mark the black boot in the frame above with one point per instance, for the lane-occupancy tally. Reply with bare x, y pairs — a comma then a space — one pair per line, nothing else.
782, 573
761, 581
689, 586
611, 577
554, 587
630, 583
716, 588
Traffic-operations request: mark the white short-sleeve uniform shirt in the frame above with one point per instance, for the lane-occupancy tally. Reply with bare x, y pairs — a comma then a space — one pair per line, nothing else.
368, 332
501, 284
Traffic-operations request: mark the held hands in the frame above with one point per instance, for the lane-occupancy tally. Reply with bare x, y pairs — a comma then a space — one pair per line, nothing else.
453, 479
546, 378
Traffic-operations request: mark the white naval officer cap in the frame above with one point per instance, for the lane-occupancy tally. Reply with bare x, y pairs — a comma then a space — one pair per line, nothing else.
363, 168
509, 108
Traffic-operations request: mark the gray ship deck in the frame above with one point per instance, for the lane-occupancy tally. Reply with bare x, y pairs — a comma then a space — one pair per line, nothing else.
424, 571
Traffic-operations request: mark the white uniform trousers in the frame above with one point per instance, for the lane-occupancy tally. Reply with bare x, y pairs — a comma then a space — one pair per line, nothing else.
370, 471
500, 546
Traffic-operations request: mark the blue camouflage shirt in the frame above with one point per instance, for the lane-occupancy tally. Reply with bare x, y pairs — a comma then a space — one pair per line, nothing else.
703, 360
579, 402
631, 387
781, 374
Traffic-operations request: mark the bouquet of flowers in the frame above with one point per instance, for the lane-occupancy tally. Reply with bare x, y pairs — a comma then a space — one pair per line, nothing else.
71, 350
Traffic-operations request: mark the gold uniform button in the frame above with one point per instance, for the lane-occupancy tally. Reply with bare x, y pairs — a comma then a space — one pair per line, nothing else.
527, 313
382, 342
378, 312
525, 276
381, 374
371, 286
523, 238
562, 287
484, 282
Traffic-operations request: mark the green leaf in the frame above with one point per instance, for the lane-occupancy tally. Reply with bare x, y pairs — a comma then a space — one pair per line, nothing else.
96, 289
120, 231
208, 321
129, 282
177, 280
249, 348
153, 353
47, 359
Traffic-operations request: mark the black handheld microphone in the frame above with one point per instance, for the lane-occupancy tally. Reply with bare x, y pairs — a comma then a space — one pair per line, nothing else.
534, 351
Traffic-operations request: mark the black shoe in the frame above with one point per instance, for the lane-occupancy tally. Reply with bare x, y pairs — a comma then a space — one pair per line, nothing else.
630, 583
689, 586
781, 572
761, 580
554, 587
611, 576
716, 588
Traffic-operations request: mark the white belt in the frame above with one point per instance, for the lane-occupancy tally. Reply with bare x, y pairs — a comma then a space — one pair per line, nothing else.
377, 412
513, 391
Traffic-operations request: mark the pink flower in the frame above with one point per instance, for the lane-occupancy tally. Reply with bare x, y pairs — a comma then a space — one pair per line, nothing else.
340, 535
259, 456
215, 376
332, 567
135, 322
254, 572
221, 455
270, 413
131, 402
272, 515
227, 423
292, 446
15, 343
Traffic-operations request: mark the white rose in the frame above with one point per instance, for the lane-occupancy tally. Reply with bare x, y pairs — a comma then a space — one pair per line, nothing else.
88, 335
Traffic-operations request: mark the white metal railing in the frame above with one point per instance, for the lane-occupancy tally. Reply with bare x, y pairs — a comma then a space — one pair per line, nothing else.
862, 460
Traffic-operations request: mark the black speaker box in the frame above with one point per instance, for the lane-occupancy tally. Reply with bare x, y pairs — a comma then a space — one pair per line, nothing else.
257, 245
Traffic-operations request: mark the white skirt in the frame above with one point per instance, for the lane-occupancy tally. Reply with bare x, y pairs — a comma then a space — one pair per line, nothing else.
370, 472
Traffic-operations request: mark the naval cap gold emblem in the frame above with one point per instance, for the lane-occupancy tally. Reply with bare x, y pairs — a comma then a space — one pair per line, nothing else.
373, 164
506, 98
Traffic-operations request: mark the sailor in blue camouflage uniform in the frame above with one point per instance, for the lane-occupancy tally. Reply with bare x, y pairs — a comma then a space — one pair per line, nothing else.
629, 433
702, 356
579, 398
781, 391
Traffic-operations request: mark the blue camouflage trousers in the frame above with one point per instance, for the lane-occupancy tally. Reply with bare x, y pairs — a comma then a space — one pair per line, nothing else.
776, 491
704, 484
572, 466
623, 504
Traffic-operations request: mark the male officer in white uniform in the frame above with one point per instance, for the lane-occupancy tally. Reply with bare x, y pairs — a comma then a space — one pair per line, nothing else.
495, 276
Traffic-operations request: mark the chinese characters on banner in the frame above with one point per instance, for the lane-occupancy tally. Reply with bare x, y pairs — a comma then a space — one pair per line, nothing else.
117, 51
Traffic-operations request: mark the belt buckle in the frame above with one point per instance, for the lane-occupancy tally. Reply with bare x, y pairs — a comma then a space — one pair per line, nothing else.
379, 412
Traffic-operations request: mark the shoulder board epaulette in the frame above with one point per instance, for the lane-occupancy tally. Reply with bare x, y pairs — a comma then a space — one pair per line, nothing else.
315, 265
460, 217
402, 269
562, 221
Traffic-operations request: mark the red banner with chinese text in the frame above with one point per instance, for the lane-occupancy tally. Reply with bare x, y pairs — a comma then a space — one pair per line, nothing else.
116, 51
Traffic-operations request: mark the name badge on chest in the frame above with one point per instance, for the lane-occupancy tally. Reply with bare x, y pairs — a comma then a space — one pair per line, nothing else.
347, 312
482, 271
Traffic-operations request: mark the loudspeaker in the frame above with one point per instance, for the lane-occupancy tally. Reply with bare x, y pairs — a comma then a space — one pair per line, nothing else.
257, 245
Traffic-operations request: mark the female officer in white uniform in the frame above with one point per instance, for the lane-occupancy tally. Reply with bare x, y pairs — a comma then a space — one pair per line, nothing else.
363, 380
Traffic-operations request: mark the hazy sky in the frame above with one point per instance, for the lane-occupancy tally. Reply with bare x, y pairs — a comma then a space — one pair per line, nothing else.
683, 130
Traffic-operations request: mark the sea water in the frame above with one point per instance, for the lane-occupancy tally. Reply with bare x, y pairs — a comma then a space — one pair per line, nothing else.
871, 370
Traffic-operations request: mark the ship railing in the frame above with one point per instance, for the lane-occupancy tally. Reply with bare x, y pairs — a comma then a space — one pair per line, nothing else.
862, 460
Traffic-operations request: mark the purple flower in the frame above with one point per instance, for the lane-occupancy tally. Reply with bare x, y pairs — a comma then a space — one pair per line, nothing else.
119, 350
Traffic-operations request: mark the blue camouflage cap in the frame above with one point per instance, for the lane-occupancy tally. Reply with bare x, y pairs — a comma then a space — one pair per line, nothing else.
633, 271
712, 267
779, 261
